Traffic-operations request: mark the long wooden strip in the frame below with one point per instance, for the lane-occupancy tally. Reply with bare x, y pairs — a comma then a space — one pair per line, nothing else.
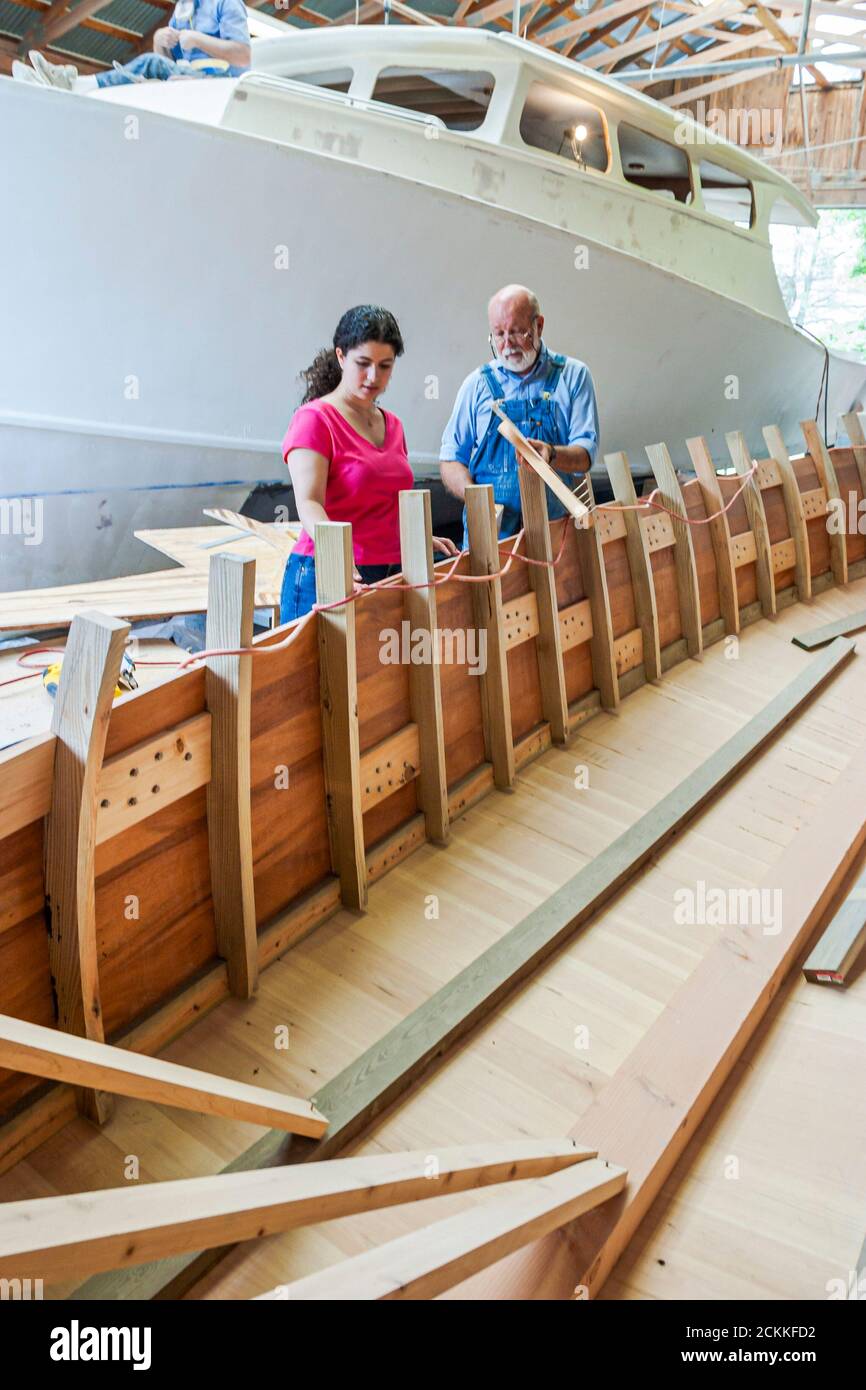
53, 1238
820, 456
387, 1069
742, 461
548, 646
638, 563
26, 782
648, 1112
425, 695
852, 424
427, 1262
684, 551
39, 1051
843, 939
228, 691
509, 431
487, 608
820, 636
601, 645
794, 510
88, 677
338, 681
720, 534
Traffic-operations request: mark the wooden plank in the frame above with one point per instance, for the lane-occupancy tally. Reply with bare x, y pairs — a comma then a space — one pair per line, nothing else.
820, 636
549, 477
425, 694
720, 533
427, 1262
228, 686
820, 456
852, 423
575, 624
26, 782
119, 1227
390, 765
388, 1069
742, 461
594, 575
842, 941
548, 646
279, 538
639, 563
138, 783
520, 620
649, 1111
794, 511
338, 680
684, 552
88, 676
487, 607
39, 1051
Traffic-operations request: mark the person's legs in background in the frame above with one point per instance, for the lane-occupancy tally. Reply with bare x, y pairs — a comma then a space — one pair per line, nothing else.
150, 66
298, 592
147, 67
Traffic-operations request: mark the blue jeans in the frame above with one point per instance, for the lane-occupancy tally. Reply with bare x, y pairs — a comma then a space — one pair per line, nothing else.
150, 65
298, 593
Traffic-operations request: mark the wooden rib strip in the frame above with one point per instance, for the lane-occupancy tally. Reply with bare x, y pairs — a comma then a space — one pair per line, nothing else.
742, 461
827, 477
720, 533
794, 511
543, 614
487, 607
671, 495
639, 564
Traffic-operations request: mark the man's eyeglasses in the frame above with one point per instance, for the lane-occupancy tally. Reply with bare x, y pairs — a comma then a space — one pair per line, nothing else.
522, 336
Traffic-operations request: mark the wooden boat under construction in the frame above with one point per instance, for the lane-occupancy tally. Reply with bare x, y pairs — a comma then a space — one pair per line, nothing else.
501, 956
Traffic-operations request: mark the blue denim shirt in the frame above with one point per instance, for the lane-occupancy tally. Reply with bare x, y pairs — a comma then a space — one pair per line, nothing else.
219, 19
573, 402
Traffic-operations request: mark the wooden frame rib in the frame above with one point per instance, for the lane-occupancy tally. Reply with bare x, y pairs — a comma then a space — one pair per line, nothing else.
425, 695
54, 1238
548, 645
364, 1089
684, 551
338, 680
742, 461
487, 607
720, 533
428, 1262
852, 423
793, 510
228, 685
820, 456
88, 678
639, 563
39, 1051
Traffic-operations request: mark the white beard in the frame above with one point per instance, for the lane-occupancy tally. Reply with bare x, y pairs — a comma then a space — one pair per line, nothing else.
520, 361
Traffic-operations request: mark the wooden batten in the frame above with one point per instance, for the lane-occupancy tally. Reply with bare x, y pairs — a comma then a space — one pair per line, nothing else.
425, 694
742, 461
594, 575
338, 677
842, 940
684, 552
88, 677
639, 563
720, 533
820, 456
487, 607
545, 620
231, 600
794, 510
852, 424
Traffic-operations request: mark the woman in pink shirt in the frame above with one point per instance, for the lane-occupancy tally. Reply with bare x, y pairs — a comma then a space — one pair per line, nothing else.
347, 456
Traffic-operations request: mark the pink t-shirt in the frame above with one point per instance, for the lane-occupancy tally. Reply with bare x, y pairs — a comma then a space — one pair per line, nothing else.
363, 479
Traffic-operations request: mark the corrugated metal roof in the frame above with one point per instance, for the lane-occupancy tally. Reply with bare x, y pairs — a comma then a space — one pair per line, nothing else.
14, 19
99, 48
132, 14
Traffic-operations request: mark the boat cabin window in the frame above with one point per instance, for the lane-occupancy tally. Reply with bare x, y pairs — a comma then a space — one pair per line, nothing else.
727, 194
458, 99
335, 79
561, 122
654, 164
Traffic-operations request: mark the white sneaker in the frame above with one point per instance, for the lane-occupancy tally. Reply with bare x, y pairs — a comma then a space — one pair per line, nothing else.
22, 72
61, 75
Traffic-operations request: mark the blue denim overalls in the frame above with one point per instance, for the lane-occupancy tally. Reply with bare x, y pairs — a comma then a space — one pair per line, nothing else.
495, 460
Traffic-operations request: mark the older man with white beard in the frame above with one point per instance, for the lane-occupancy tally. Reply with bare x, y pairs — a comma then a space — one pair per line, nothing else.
549, 397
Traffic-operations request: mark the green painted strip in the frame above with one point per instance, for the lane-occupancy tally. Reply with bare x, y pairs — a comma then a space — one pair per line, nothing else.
819, 636
843, 939
387, 1070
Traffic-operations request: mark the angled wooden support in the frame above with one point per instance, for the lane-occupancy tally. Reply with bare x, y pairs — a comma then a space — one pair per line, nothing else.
88, 677
338, 680
425, 696
742, 461
487, 607
548, 646
601, 643
820, 455
720, 533
793, 510
842, 941
55, 1237
228, 684
39, 1051
427, 1262
853, 427
684, 551
639, 563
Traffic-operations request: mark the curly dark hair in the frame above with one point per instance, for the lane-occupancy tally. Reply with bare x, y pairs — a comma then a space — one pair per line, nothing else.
366, 323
